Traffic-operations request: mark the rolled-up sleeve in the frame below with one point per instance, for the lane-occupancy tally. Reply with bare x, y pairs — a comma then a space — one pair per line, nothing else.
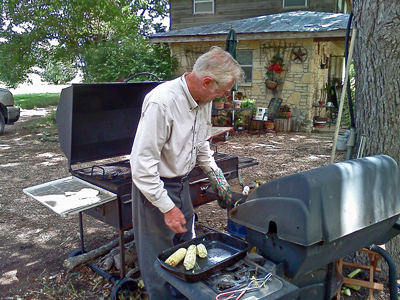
205, 157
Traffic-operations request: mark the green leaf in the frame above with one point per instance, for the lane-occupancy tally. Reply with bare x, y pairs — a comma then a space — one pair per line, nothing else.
68, 33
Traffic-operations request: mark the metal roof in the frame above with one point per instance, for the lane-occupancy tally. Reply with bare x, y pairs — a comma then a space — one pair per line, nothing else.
319, 24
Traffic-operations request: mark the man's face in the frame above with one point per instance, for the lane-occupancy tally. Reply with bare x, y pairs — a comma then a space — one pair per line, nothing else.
214, 89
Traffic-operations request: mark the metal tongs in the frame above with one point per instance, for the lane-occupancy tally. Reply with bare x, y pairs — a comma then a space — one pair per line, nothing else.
254, 285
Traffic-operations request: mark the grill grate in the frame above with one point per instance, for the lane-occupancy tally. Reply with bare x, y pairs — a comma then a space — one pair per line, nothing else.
107, 172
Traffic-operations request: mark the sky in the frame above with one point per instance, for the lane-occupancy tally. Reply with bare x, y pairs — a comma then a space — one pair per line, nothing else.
38, 86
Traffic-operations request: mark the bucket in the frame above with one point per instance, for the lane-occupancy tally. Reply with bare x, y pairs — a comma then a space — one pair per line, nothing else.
341, 144
236, 229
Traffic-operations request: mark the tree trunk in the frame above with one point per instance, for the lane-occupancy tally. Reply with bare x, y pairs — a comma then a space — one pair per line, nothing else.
377, 69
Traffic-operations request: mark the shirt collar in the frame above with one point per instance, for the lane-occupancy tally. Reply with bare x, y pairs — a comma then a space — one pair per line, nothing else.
192, 103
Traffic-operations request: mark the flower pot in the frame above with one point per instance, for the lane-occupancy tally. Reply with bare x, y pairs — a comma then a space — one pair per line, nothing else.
269, 125
271, 85
237, 103
228, 104
321, 119
219, 105
240, 127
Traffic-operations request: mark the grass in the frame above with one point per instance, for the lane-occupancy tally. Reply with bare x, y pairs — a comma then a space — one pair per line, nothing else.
46, 125
31, 101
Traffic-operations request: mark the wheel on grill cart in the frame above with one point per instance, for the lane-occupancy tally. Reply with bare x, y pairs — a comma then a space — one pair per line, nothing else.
124, 286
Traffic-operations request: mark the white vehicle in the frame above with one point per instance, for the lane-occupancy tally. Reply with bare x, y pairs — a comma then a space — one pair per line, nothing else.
9, 113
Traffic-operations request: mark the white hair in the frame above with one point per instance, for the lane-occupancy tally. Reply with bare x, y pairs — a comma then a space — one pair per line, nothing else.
219, 65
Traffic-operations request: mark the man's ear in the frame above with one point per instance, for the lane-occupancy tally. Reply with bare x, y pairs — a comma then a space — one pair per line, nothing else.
207, 81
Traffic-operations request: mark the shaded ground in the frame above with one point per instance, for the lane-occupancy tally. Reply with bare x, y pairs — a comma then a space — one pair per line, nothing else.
35, 241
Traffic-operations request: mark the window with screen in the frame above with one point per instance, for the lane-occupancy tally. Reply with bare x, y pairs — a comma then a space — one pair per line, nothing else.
203, 6
245, 59
294, 3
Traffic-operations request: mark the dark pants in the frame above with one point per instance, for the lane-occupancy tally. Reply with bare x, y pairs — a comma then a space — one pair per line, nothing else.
153, 236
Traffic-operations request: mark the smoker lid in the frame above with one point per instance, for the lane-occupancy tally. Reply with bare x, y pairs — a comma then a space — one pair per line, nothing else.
326, 203
99, 120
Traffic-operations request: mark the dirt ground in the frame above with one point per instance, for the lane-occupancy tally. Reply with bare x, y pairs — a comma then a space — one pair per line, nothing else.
35, 241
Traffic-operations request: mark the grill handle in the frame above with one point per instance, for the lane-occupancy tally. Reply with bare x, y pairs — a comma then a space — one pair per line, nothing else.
142, 73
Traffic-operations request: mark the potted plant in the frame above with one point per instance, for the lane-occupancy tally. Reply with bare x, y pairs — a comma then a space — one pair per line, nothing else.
228, 104
219, 102
284, 112
239, 124
220, 121
274, 71
249, 103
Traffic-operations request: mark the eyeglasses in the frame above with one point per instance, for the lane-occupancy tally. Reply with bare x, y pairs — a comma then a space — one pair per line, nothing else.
225, 93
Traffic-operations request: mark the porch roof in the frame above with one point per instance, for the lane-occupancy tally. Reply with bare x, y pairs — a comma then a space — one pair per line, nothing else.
297, 24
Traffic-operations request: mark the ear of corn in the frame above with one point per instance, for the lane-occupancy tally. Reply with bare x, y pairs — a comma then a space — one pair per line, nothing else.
176, 257
201, 251
190, 258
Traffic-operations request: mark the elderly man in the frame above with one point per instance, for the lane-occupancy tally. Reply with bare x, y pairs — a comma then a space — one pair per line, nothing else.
170, 140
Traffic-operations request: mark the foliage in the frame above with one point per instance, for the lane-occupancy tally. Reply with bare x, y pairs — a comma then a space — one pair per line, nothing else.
275, 67
284, 108
131, 57
329, 89
58, 72
346, 118
249, 103
219, 99
48, 122
220, 121
282, 112
37, 31
29, 101
239, 122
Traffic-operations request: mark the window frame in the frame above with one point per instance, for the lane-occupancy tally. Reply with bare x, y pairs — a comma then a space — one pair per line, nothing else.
247, 66
203, 12
296, 6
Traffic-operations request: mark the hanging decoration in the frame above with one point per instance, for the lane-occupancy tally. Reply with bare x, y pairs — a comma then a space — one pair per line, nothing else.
299, 54
274, 70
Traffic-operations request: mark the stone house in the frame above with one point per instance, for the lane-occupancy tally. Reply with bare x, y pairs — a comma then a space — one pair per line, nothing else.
312, 45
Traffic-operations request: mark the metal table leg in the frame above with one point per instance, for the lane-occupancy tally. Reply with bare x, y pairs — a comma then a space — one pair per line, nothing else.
81, 232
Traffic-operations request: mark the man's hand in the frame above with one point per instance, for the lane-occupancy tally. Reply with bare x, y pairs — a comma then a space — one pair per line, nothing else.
175, 220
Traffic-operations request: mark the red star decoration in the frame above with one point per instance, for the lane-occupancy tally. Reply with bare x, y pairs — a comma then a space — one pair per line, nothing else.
299, 54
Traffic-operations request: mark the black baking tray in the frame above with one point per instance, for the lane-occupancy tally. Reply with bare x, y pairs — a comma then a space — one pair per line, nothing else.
223, 251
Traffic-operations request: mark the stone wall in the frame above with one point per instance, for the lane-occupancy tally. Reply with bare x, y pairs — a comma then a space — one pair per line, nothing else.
302, 82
